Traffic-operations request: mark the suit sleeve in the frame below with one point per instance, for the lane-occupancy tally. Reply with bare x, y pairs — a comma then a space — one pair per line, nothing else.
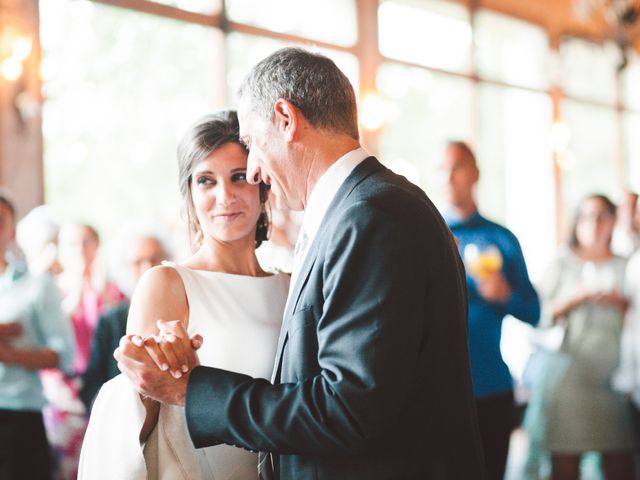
370, 331
96, 373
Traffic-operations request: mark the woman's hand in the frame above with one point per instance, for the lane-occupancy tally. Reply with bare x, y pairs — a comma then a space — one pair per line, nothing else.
171, 349
561, 310
613, 298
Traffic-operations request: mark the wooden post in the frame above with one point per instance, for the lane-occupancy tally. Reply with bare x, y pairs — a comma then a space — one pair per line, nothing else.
21, 166
369, 59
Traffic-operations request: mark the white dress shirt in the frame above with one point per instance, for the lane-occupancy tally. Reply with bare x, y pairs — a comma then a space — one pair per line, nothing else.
321, 197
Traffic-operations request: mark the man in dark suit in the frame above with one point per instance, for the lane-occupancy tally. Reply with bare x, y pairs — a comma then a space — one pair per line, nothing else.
371, 379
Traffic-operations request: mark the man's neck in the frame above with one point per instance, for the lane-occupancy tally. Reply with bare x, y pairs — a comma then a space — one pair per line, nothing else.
464, 210
322, 157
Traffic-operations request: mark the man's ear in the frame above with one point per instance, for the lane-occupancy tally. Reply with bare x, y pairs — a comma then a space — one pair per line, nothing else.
286, 118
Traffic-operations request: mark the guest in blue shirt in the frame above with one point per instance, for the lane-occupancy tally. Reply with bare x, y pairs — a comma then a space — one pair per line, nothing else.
498, 285
34, 334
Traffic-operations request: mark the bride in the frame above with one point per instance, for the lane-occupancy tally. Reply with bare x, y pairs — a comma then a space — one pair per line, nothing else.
219, 292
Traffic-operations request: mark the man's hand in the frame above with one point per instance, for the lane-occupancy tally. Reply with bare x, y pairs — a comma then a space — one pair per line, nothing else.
494, 288
136, 363
151, 362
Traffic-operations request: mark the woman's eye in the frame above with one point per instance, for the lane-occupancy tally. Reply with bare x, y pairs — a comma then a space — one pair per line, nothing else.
239, 177
205, 181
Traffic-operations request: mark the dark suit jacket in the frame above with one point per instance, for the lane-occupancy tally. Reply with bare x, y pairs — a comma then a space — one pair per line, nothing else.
372, 375
112, 326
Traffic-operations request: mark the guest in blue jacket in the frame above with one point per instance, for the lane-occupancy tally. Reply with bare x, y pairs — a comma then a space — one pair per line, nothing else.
498, 285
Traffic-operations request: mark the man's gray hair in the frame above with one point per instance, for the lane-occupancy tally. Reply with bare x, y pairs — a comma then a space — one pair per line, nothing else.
311, 82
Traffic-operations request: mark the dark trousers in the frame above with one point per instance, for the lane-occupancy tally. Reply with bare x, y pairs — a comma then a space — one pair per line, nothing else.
24, 449
635, 418
496, 419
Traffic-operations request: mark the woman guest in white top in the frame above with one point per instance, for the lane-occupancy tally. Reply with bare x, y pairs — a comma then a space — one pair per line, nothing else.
220, 292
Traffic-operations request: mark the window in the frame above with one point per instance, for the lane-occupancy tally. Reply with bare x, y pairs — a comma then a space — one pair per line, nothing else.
517, 168
632, 129
244, 51
588, 70
307, 19
427, 32
510, 50
119, 98
424, 110
631, 82
591, 165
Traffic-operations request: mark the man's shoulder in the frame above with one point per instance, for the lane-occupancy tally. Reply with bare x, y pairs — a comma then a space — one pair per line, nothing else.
499, 230
383, 186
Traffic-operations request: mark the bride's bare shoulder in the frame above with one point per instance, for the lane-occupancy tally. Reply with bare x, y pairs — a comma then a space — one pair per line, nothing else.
160, 294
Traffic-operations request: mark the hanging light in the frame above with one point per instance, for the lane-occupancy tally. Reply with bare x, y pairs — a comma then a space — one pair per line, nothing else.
11, 69
372, 111
21, 48
559, 137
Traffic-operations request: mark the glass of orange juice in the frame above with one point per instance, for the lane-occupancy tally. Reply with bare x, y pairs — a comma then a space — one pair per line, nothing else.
482, 261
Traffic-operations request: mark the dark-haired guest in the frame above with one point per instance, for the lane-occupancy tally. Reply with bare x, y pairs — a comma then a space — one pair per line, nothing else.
583, 288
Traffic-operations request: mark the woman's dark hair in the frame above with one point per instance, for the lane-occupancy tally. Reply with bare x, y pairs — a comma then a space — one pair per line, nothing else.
205, 136
92, 231
609, 205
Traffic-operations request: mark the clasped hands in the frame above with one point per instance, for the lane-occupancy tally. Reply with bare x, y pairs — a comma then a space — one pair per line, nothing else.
611, 297
159, 365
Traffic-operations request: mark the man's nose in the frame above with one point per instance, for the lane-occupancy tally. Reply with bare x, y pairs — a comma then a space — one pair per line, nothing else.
254, 174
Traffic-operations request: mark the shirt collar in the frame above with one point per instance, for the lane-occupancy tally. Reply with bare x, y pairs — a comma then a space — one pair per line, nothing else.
326, 188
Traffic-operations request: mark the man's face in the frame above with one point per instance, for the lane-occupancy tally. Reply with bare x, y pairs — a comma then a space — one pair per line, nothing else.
458, 174
7, 227
147, 253
270, 159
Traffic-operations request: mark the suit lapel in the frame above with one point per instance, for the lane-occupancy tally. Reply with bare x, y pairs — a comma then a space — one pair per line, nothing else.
294, 296
363, 170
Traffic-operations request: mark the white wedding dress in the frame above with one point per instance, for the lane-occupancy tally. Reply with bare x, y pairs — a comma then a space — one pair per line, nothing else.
239, 318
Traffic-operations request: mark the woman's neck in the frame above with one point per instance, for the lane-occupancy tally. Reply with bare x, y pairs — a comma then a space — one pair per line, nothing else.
237, 257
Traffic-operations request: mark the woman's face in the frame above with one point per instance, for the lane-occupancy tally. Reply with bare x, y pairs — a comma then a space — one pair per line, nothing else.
226, 206
595, 224
78, 247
